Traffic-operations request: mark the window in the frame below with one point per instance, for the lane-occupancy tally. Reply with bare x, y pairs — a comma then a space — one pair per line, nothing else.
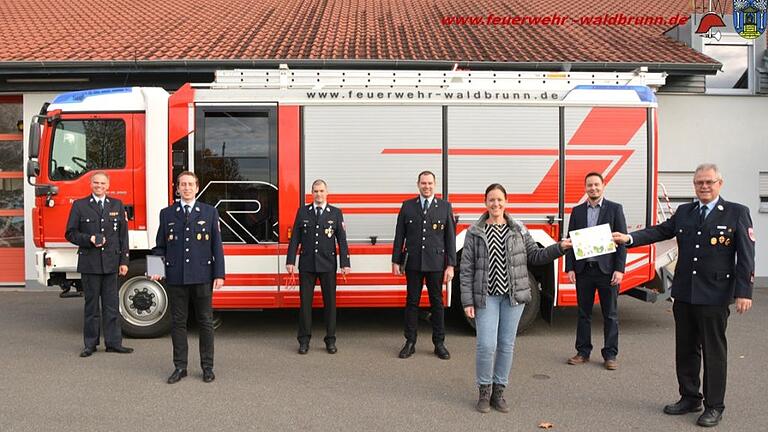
80, 146
736, 55
236, 161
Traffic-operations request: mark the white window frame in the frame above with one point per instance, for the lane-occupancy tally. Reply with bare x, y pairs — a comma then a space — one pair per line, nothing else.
733, 39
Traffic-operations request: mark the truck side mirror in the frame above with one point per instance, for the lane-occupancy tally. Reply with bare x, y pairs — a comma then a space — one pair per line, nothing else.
33, 170
34, 138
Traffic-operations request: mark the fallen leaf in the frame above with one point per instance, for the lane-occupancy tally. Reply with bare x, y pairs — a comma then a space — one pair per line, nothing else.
545, 425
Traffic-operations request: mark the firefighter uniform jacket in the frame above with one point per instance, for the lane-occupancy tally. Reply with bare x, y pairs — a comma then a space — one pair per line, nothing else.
318, 238
716, 260
425, 243
87, 219
191, 245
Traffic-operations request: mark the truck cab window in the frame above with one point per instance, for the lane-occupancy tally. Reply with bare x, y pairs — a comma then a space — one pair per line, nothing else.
80, 146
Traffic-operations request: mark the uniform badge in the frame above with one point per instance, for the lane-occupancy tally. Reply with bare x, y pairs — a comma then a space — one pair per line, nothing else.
206, 236
199, 236
751, 233
434, 226
329, 232
113, 214
713, 240
201, 222
721, 239
170, 237
727, 242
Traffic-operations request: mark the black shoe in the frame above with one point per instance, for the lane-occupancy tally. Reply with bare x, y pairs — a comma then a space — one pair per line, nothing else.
208, 375
710, 417
87, 351
331, 347
442, 352
120, 349
683, 406
177, 375
303, 347
408, 349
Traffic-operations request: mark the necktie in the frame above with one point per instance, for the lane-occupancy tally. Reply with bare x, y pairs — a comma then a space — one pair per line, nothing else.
101, 206
186, 211
426, 206
318, 212
702, 214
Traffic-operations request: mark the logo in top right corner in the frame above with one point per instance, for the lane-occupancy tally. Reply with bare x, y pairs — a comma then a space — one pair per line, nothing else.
750, 17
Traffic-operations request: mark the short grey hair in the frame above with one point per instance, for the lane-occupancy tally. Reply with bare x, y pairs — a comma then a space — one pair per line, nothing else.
708, 167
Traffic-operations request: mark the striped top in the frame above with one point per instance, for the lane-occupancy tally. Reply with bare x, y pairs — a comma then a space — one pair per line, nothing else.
498, 277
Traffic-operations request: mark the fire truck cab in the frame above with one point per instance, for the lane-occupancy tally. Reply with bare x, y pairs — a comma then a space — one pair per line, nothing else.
258, 138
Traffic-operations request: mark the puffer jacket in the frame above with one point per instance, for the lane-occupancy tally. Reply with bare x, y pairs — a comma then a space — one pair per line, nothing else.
521, 251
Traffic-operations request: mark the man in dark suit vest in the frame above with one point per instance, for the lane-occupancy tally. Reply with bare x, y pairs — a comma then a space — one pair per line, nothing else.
425, 247
715, 267
98, 225
601, 273
189, 238
318, 228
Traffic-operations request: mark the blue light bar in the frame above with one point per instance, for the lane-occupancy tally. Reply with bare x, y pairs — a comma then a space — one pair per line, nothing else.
644, 92
79, 96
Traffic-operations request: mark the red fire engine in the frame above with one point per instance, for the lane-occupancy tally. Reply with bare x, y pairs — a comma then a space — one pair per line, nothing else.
258, 138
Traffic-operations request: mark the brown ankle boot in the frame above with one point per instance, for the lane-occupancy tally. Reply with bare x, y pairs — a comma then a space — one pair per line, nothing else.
497, 398
484, 400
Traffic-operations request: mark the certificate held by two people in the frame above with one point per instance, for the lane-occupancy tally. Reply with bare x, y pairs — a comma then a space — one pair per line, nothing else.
593, 241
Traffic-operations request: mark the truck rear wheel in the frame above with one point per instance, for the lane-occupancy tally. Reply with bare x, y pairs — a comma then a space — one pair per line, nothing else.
144, 308
531, 311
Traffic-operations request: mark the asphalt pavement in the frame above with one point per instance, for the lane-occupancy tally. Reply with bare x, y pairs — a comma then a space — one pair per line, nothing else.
263, 384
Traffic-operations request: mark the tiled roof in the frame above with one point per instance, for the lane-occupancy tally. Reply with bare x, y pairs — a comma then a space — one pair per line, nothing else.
151, 30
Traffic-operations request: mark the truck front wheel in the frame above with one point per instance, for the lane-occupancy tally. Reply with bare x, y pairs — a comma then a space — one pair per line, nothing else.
144, 308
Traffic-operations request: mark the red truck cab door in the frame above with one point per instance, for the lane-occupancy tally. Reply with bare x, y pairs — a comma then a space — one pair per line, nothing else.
76, 145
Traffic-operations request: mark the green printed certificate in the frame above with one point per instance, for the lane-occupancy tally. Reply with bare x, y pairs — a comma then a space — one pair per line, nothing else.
594, 241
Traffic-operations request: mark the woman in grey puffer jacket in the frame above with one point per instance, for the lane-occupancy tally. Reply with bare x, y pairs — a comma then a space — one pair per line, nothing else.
494, 290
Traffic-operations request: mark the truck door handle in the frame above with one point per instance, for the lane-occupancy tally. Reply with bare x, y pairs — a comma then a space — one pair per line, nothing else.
129, 211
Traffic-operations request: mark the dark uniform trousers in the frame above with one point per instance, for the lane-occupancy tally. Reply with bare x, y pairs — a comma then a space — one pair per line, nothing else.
180, 297
701, 329
194, 256
716, 263
424, 244
595, 274
318, 235
98, 266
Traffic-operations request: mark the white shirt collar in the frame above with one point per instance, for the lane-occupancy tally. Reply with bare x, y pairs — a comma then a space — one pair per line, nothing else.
191, 204
97, 199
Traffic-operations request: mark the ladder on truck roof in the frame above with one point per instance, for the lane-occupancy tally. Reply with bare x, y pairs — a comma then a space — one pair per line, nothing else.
285, 78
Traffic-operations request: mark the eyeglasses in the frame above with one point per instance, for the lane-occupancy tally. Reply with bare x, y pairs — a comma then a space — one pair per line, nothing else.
701, 183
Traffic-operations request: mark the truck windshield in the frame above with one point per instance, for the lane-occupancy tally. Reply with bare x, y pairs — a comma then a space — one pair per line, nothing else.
80, 146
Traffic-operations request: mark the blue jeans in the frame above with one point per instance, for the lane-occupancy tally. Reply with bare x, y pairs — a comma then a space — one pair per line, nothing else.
496, 326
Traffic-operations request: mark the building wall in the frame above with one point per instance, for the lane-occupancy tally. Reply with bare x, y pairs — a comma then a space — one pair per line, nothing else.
726, 130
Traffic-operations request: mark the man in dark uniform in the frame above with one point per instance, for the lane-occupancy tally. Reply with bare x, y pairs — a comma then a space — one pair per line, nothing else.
425, 248
189, 237
715, 267
602, 273
318, 227
97, 224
